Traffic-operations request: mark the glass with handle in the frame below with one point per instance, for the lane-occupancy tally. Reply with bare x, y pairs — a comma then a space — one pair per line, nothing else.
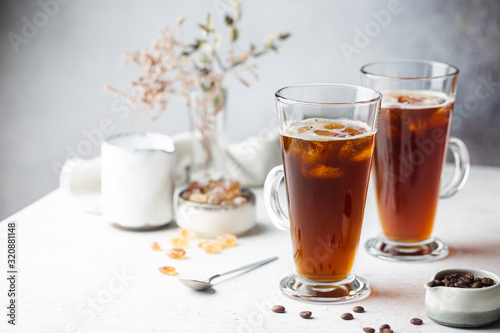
327, 139
413, 137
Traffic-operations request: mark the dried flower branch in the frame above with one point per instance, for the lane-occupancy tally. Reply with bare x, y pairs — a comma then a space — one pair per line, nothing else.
170, 67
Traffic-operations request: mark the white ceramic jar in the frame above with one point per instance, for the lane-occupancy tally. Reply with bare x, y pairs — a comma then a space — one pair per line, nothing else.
137, 180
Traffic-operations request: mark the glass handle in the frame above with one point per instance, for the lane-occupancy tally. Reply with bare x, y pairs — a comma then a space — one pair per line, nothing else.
271, 199
461, 171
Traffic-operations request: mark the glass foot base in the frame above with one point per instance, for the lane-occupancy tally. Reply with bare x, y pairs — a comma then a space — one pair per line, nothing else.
353, 288
428, 250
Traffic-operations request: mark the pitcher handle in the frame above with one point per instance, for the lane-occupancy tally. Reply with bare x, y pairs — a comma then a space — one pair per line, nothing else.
271, 199
461, 171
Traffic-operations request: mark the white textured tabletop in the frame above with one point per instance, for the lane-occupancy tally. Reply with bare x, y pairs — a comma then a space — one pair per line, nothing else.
77, 273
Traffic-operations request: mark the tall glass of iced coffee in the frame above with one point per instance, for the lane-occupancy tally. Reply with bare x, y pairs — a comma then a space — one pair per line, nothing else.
327, 139
412, 140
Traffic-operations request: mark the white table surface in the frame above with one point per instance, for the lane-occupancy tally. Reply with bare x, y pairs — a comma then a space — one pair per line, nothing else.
80, 274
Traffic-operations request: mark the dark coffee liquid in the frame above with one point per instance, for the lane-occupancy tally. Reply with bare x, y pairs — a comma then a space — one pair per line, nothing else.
327, 167
408, 161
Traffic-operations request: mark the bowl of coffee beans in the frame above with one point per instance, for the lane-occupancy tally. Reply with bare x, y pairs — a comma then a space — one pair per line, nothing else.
463, 297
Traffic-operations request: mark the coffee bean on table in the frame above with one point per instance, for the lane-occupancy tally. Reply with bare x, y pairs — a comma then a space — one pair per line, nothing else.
347, 316
278, 309
358, 309
384, 326
305, 314
416, 321
368, 330
386, 330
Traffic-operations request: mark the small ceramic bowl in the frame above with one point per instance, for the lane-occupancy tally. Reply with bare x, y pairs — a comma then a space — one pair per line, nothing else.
208, 220
463, 307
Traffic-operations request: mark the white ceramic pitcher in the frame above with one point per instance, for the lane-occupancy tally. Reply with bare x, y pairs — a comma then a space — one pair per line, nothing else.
137, 180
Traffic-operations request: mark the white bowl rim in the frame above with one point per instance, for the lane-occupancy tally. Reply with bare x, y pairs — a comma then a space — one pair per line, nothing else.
465, 270
244, 190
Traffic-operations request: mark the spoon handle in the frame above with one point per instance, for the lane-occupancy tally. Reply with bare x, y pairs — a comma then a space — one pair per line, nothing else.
247, 267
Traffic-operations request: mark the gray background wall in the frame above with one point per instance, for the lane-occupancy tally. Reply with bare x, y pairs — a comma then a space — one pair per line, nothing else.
51, 90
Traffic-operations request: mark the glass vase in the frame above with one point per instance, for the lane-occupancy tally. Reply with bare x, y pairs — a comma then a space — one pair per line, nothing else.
208, 135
